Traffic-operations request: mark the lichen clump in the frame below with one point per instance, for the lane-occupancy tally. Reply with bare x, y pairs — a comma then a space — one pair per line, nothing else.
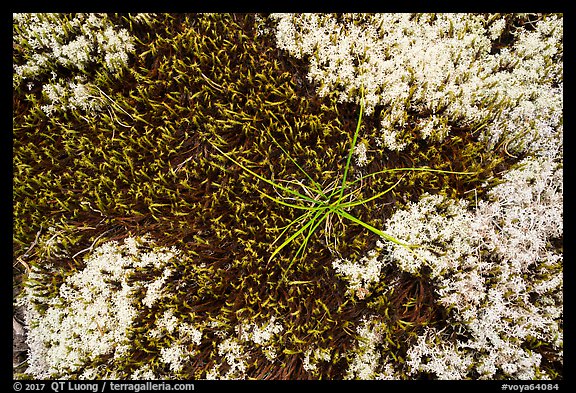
143, 251
95, 309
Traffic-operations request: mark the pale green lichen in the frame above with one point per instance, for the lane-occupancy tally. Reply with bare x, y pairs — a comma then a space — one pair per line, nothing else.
439, 64
59, 52
93, 310
494, 267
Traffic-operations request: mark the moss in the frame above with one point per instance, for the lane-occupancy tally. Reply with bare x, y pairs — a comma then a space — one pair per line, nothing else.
146, 165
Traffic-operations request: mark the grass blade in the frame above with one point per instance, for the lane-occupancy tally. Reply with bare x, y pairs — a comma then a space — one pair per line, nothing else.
317, 186
295, 235
273, 184
293, 222
375, 230
363, 201
351, 152
310, 233
416, 169
301, 207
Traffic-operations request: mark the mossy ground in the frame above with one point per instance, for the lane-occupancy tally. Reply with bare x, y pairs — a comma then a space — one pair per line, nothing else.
149, 168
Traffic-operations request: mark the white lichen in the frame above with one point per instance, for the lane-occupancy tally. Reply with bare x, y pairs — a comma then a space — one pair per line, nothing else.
369, 358
486, 264
442, 65
360, 154
362, 274
314, 356
93, 310
46, 44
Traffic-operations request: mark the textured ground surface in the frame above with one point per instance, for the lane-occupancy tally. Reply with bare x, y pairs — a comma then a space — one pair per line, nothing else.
137, 153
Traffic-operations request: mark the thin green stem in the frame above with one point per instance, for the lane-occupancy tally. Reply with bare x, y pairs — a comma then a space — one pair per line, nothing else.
353, 145
317, 186
273, 184
301, 207
363, 201
374, 230
293, 222
305, 242
417, 169
296, 234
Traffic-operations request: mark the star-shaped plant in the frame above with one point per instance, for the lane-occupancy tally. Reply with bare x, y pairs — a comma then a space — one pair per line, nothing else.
321, 204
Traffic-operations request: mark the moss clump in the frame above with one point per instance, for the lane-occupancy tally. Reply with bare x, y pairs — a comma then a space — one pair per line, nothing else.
146, 164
